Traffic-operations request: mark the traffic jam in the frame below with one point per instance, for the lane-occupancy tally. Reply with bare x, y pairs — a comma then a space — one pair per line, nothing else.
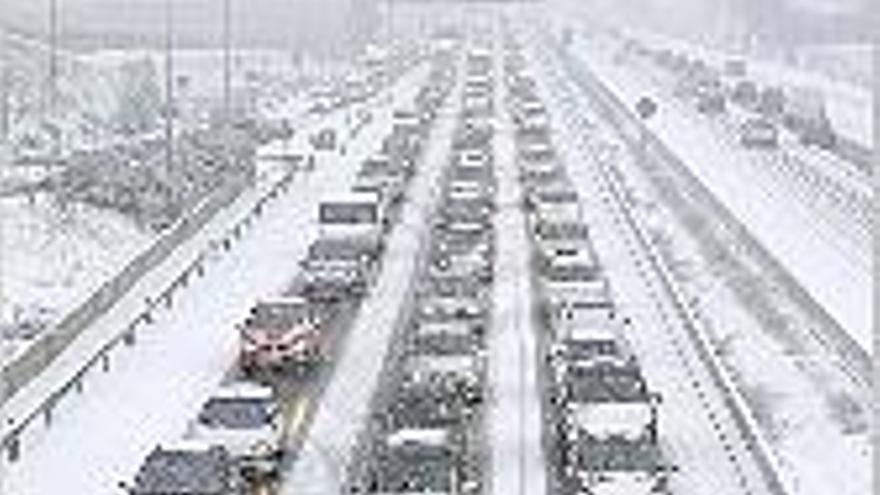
474, 266
239, 440
425, 433
600, 414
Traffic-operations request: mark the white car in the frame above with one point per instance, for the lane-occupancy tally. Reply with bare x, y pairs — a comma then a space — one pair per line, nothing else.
245, 419
574, 281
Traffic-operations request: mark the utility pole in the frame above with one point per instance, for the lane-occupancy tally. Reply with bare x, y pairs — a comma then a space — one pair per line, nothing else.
6, 88
50, 113
227, 63
53, 63
169, 92
53, 111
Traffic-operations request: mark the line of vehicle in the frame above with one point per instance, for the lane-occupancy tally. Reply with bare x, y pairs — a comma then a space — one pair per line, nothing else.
746, 440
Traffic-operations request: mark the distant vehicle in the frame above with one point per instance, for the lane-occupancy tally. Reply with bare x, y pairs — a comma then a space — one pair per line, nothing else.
561, 235
244, 418
586, 344
745, 93
442, 308
470, 158
771, 102
324, 140
554, 204
576, 263
454, 286
759, 133
555, 239
378, 175
448, 337
460, 372
710, 99
187, 468
461, 189
804, 114
536, 151
281, 333
735, 67
472, 263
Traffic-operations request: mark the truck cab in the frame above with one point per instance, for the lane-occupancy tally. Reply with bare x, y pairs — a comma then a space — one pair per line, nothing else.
356, 216
244, 418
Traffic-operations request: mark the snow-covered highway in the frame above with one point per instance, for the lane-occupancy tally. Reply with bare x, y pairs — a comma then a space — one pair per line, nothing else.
510, 250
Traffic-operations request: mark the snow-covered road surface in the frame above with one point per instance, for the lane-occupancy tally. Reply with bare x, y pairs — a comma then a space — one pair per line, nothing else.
329, 444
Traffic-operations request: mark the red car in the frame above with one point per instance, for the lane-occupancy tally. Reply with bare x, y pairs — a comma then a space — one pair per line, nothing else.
282, 333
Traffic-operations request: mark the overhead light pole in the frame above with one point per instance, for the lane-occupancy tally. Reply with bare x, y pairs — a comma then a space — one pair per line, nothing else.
227, 63
50, 113
169, 91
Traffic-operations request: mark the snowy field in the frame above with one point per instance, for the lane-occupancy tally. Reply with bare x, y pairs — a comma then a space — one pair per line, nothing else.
52, 261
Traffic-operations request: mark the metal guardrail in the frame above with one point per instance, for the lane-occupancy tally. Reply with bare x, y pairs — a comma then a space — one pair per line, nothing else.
616, 112
17, 374
42, 353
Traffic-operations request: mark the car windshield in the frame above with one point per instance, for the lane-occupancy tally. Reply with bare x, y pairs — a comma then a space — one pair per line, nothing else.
618, 455
585, 349
571, 273
277, 315
237, 413
443, 344
607, 384
349, 213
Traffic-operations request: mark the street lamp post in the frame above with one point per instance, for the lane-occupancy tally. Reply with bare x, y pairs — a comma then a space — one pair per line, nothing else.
227, 63
169, 92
